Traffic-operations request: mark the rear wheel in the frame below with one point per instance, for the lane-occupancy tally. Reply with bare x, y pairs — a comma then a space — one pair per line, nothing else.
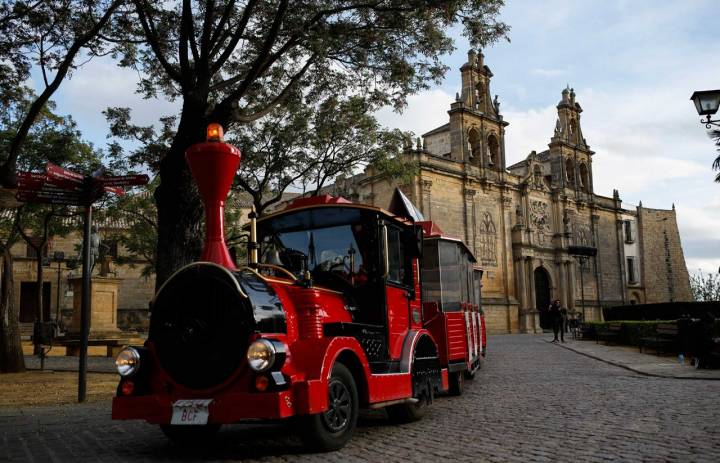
333, 428
190, 436
409, 412
457, 383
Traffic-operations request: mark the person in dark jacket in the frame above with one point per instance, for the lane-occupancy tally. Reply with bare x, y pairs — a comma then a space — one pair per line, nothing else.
555, 311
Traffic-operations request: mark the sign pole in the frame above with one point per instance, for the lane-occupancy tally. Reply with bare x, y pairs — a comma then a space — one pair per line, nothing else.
61, 186
85, 305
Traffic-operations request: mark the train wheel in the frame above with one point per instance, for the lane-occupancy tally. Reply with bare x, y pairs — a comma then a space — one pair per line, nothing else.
190, 436
333, 428
470, 374
457, 383
409, 412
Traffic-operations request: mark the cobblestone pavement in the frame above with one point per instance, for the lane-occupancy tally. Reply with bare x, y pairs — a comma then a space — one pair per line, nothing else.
533, 401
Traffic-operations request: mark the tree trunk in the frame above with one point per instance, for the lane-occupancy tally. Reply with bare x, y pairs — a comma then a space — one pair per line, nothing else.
11, 354
179, 208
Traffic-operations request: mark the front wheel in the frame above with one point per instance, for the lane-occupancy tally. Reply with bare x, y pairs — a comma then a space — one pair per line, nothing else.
333, 428
190, 436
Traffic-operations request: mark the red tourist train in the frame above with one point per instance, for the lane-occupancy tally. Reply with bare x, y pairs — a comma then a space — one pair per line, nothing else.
343, 306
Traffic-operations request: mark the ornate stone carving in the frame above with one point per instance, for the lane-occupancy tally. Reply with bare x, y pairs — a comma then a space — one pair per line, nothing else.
540, 220
487, 239
427, 186
582, 235
519, 217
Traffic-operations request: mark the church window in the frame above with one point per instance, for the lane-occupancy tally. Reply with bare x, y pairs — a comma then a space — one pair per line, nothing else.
493, 150
479, 95
474, 146
584, 178
573, 130
570, 172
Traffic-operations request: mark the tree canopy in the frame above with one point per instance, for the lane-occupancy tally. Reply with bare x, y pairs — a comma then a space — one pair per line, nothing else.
237, 61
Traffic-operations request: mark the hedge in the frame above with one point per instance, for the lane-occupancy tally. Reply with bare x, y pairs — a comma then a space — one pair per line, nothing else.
661, 311
631, 331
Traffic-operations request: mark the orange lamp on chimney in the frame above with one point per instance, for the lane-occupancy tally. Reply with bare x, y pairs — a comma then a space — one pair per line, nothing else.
213, 165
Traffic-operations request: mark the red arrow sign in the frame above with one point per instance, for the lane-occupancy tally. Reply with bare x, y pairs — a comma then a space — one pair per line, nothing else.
31, 180
125, 180
58, 173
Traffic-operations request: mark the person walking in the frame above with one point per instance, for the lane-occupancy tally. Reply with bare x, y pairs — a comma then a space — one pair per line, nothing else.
555, 311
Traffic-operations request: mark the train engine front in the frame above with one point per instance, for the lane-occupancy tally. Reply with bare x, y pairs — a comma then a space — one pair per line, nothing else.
228, 344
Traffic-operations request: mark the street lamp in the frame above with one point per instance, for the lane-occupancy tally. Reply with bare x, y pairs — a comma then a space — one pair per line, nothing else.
582, 254
706, 104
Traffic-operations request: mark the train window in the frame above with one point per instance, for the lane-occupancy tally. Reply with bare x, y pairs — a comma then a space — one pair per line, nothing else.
430, 272
464, 283
477, 277
396, 256
450, 273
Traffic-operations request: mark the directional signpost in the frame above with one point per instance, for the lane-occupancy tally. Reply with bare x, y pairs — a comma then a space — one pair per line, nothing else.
64, 187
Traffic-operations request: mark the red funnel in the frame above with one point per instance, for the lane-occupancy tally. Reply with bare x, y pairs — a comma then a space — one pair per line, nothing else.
213, 165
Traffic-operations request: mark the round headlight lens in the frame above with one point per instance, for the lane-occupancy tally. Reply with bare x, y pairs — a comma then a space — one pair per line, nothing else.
128, 361
261, 355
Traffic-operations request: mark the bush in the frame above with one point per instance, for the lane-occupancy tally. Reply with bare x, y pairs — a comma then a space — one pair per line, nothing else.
631, 330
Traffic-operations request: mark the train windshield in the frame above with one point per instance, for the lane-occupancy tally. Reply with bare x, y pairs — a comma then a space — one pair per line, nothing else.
332, 243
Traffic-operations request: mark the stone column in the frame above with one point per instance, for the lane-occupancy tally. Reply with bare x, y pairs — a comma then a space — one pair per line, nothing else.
572, 278
469, 210
563, 284
426, 199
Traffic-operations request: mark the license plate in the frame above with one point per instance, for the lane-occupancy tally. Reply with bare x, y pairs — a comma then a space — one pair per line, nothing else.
191, 412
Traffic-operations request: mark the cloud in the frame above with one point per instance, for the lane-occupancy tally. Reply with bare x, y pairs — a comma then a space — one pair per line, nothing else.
100, 84
425, 111
547, 72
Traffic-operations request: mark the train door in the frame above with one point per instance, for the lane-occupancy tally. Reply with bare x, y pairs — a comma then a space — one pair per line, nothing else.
399, 288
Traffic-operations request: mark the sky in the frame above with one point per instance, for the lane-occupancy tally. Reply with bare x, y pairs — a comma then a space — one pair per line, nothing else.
633, 65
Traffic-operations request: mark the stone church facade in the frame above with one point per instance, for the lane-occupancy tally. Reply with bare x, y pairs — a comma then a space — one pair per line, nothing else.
521, 220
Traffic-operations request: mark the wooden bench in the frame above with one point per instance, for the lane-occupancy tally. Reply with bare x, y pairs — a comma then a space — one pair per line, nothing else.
609, 333
666, 334
113, 346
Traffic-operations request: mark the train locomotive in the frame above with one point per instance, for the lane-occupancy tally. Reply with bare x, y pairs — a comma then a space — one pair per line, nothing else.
342, 306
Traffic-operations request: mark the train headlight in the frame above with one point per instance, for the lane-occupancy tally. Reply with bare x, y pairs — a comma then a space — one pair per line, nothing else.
261, 355
128, 361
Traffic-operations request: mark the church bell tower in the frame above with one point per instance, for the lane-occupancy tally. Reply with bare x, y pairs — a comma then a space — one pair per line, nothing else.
477, 129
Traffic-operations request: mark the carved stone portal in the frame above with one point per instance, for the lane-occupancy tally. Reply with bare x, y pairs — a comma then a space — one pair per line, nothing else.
540, 220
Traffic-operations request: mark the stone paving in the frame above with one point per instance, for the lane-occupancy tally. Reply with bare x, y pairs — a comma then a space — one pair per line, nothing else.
533, 401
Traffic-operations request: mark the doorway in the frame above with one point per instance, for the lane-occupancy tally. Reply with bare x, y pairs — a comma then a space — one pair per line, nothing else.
542, 296
28, 301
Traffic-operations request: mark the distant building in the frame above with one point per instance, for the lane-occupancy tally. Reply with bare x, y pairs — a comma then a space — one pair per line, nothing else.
521, 220
135, 290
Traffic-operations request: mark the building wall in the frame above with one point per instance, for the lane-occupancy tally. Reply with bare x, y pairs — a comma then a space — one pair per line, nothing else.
665, 274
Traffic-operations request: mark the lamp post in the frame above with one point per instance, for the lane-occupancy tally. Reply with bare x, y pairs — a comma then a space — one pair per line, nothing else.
707, 103
582, 253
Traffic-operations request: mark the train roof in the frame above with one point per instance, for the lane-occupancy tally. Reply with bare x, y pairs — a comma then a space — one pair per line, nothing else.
431, 231
327, 201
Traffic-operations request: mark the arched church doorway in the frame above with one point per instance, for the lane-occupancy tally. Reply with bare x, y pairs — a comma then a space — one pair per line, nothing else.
542, 296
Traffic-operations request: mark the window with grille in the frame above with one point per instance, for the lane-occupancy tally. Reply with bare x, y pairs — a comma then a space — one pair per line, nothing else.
629, 231
631, 270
